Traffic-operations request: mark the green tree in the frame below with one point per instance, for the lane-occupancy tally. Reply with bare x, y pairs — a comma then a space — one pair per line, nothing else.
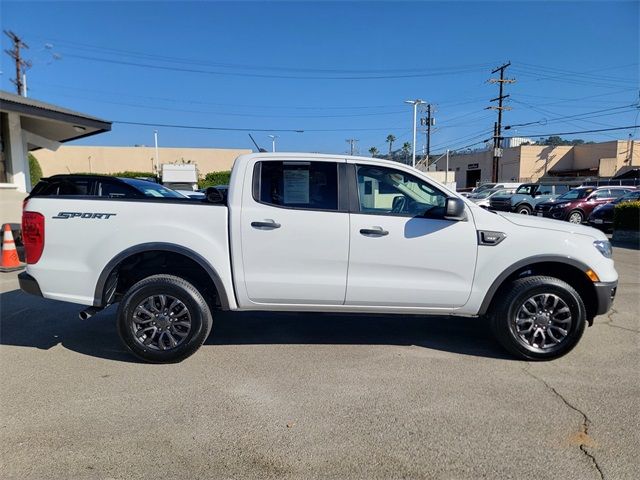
390, 139
212, 179
373, 151
555, 140
406, 149
35, 171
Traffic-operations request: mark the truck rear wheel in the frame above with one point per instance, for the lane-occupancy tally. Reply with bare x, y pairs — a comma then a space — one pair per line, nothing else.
163, 319
539, 318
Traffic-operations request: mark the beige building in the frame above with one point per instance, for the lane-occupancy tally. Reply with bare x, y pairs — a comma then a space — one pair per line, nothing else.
91, 159
531, 162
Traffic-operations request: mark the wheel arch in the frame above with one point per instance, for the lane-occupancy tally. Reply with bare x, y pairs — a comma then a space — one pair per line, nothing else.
567, 269
108, 279
523, 203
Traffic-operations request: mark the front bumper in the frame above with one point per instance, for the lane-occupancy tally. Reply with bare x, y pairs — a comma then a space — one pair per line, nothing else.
29, 284
605, 293
555, 214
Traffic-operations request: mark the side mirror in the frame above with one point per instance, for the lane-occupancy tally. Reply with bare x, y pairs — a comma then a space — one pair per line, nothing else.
454, 209
213, 195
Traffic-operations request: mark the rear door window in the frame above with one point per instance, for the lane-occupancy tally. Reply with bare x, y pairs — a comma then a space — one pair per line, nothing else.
291, 184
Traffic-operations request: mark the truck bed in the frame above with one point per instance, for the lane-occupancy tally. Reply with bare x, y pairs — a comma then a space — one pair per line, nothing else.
105, 228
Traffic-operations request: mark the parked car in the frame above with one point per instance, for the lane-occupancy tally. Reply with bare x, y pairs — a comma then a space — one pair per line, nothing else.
101, 186
527, 196
576, 205
602, 215
493, 186
483, 198
324, 233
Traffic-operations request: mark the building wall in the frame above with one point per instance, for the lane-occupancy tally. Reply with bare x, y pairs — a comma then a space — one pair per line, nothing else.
628, 153
531, 162
588, 156
95, 159
537, 160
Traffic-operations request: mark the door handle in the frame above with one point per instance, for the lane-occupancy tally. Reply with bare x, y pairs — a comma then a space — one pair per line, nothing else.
266, 225
373, 232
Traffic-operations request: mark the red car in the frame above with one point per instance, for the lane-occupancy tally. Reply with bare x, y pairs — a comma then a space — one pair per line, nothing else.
576, 205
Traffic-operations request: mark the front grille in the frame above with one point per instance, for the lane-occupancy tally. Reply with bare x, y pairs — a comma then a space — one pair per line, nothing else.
543, 208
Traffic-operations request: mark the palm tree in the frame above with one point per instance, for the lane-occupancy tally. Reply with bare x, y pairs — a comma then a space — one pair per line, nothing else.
406, 149
390, 139
373, 151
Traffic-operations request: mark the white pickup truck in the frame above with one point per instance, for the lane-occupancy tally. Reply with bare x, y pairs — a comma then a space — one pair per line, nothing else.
307, 232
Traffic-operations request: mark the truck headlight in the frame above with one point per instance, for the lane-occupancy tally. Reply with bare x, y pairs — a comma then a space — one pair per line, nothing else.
604, 247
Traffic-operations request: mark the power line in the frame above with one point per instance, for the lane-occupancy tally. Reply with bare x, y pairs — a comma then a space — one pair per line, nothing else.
192, 61
577, 116
581, 131
201, 127
263, 75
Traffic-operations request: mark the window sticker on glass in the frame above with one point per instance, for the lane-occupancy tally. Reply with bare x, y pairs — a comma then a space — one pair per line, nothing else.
296, 186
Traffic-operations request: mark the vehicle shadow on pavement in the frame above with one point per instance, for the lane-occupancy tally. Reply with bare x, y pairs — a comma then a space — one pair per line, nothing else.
28, 321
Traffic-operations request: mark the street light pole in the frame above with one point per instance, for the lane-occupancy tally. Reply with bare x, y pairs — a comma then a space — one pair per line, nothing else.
415, 104
155, 139
273, 142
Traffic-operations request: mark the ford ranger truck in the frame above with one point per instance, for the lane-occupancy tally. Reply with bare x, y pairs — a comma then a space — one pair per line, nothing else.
322, 233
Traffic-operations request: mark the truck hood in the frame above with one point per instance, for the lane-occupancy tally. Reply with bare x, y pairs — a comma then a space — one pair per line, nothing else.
551, 224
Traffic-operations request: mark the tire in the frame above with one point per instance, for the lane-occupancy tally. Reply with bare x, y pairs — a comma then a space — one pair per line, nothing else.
575, 216
168, 333
524, 210
509, 310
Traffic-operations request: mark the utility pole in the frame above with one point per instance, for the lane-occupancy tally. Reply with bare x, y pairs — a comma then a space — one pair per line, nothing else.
429, 122
497, 130
352, 144
21, 65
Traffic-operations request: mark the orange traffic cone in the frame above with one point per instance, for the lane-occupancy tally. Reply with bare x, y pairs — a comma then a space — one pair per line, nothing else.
10, 260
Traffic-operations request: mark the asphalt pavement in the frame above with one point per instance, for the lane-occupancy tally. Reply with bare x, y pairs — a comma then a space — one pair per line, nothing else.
317, 396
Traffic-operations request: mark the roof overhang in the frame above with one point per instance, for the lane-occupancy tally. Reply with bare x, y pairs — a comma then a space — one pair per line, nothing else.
44, 122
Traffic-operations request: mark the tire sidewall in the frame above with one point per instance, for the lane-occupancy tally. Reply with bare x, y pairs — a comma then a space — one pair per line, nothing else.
186, 293
521, 208
506, 332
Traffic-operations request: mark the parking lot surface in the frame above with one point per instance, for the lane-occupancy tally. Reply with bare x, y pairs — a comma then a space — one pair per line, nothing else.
316, 396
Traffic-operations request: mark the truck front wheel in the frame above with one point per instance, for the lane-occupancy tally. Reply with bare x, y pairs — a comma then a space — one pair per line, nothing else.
539, 318
163, 319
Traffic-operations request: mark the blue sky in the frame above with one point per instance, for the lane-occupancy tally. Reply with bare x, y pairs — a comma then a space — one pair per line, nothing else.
317, 67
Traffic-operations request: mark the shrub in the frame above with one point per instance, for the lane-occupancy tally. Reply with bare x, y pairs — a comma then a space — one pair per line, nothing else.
212, 179
132, 174
35, 172
626, 216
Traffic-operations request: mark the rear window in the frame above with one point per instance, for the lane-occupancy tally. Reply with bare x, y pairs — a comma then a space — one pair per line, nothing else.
62, 187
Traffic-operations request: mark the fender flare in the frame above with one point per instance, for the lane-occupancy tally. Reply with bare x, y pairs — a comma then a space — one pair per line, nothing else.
98, 297
488, 298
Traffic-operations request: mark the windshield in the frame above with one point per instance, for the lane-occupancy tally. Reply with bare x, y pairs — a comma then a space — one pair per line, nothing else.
151, 189
526, 189
575, 194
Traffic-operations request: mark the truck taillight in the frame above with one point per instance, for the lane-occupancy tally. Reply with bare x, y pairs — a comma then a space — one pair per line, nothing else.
33, 235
